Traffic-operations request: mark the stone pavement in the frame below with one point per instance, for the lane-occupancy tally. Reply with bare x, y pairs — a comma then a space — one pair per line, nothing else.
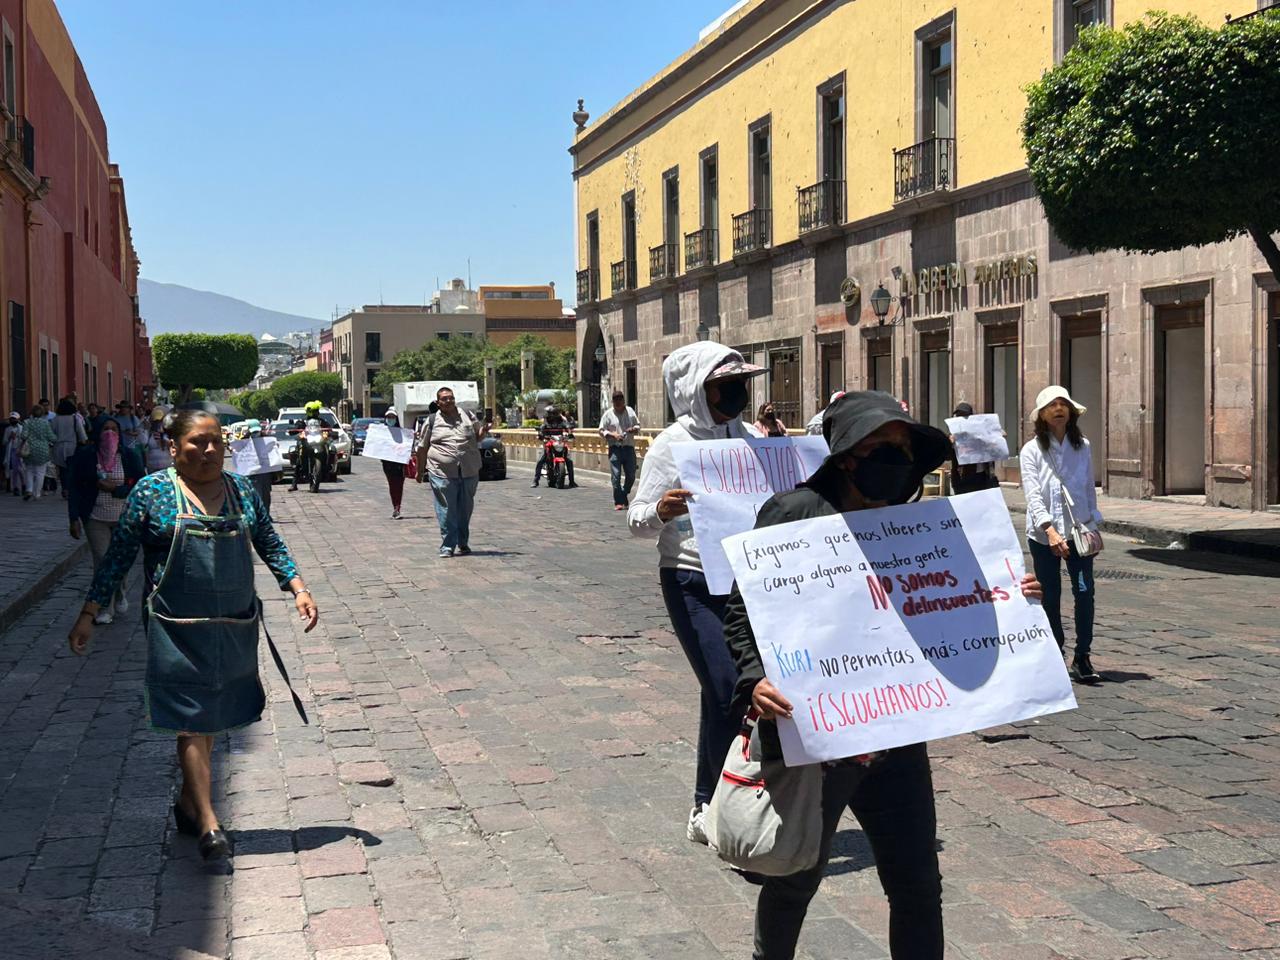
500, 761
37, 551
1162, 522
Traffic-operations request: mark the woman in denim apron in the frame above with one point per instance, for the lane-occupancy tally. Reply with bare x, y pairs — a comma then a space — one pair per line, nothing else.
195, 525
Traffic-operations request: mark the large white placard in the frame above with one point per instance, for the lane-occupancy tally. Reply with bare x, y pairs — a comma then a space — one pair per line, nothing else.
388, 443
978, 438
730, 480
256, 455
894, 626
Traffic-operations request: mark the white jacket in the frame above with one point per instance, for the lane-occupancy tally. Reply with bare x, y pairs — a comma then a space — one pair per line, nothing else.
1043, 489
685, 372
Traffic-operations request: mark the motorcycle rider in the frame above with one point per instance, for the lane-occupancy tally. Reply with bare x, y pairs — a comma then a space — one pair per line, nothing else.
553, 423
310, 423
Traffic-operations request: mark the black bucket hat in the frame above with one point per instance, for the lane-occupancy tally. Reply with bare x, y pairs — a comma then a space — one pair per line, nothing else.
861, 413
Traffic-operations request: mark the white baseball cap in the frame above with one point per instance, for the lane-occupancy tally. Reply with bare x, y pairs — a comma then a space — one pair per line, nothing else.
1050, 394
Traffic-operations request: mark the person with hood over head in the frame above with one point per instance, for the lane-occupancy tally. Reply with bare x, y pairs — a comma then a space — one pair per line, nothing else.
707, 384
394, 472
879, 457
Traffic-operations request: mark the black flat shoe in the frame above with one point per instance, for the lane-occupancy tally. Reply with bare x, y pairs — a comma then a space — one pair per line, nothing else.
215, 845
1083, 670
186, 825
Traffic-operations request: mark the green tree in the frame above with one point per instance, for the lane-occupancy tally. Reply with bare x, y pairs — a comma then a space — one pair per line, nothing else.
256, 404
185, 361
1160, 136
551, 365
296, 389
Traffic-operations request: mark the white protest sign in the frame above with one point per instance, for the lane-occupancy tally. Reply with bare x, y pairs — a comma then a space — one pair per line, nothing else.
978, 438
730, 480
388, 443
894, 626
256, 455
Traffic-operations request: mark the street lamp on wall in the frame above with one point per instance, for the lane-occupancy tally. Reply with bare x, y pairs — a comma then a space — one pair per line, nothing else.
881, 300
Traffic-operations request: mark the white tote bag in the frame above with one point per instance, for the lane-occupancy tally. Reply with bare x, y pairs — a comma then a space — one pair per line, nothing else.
765, 817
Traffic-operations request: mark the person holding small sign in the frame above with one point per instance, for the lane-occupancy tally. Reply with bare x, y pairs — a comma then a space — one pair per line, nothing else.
394, 471
879, 457
707, 384
1057, 479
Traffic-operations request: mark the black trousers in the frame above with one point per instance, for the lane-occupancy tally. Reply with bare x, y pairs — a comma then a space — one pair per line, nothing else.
893, 801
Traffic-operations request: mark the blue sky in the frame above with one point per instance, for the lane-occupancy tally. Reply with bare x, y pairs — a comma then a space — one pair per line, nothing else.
305, 154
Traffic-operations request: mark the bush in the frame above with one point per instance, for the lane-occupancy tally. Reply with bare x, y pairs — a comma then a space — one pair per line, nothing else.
298, 389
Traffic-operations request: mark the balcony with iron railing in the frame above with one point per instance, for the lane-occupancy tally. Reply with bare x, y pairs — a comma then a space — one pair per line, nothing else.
821, 206
664, 262
588, 285
751, 231
622, 276
700, 248
924, 169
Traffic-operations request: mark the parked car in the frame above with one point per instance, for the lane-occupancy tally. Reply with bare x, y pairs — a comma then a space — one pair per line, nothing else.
286, 441
359, 427
342, 441
493, 458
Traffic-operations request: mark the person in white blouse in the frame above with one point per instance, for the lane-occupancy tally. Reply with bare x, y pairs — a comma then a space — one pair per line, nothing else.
1058, 454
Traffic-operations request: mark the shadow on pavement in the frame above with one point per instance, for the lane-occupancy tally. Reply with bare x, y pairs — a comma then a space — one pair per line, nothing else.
276, 840
1121, 676
1205, 562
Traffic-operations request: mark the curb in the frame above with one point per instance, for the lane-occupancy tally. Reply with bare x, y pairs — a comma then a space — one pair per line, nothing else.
35, 591
1212, 541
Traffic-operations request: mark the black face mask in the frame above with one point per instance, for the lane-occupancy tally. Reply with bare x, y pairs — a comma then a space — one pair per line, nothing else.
733, 398
887, 474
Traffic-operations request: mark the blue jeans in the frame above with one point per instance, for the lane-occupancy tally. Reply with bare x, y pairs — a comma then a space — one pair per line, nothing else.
698, 619
622, 462
455, 499
1048, 567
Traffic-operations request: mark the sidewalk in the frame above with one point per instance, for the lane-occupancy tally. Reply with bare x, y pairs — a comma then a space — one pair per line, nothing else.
37, 552
1159, 522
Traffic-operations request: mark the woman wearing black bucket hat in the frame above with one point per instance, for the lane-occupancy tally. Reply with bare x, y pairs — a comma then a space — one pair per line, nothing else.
879, 457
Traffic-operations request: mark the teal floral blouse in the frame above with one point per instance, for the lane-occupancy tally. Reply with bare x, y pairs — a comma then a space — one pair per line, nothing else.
148, 521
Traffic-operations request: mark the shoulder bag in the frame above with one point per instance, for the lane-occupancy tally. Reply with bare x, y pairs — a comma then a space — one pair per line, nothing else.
1087, 540
765, 817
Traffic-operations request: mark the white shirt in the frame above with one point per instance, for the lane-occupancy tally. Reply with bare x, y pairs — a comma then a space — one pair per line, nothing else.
1043, 490
613, 422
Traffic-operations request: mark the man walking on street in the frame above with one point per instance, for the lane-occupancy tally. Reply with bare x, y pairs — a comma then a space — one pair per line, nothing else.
131, 428
618, 426
449, 450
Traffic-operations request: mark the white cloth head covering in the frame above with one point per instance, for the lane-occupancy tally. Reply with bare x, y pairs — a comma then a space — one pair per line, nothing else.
1050, 394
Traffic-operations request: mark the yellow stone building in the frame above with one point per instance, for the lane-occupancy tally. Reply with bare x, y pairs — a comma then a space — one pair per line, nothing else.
805, 153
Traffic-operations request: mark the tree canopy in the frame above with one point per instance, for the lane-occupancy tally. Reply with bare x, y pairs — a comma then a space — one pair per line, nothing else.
297, 389
1160, 136
184, 361
462, 358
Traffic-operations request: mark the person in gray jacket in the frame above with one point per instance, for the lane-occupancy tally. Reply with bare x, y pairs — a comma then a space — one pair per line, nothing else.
879, 456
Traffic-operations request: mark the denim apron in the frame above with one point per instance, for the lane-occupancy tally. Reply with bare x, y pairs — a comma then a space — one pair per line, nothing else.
202, 624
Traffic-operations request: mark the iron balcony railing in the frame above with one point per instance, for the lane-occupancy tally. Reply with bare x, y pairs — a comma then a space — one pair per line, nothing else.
622, 276
700, 248
925, 167
821, 205
751, 230
588, 285
664, 262
20, 129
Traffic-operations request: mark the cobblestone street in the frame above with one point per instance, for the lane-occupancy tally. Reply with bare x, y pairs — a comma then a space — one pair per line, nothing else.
500, 764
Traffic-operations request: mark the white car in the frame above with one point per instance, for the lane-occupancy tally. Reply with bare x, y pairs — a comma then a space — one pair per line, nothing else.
342, 443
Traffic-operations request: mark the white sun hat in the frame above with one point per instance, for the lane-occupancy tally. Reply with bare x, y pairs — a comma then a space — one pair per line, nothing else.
1050, 394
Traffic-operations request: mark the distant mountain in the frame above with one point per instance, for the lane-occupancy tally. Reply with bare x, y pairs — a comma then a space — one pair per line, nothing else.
171, 308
